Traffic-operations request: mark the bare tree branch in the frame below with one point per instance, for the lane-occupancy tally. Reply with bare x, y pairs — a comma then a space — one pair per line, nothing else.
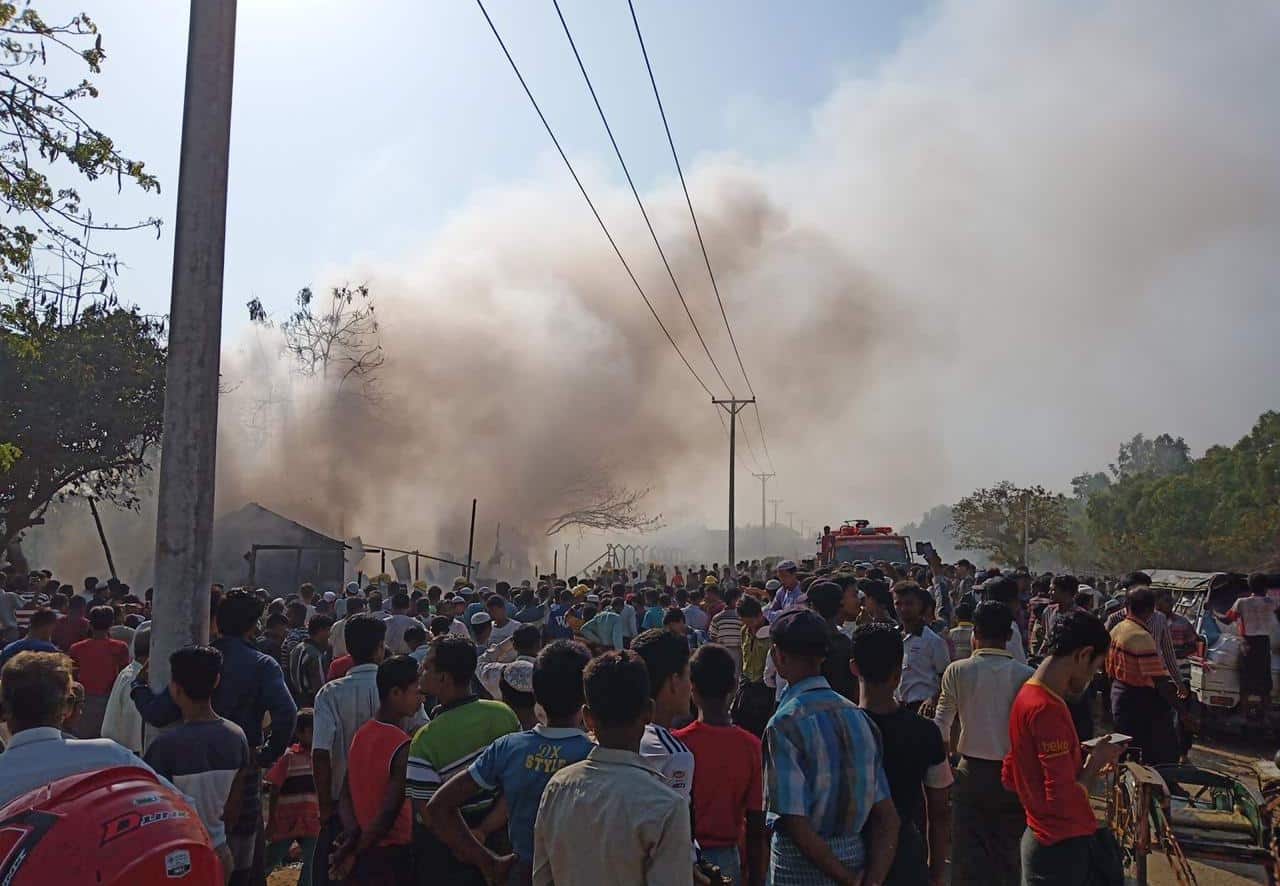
601, 505
340, 339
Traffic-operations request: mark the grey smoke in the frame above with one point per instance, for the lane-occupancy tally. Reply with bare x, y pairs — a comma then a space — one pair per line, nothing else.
1035, 230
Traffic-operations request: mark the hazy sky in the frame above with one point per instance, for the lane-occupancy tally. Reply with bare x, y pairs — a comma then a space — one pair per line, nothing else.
359, 128
960, 241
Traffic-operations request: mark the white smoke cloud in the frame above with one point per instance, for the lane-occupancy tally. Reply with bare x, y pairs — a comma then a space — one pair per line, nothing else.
1037, 229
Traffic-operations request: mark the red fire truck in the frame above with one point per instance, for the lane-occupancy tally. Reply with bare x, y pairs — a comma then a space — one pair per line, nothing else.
857, 541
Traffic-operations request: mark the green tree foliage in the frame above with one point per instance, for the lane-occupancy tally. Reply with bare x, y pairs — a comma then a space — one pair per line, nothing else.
1161, 456
84, 405
1002, 519
47, 144
1221, 511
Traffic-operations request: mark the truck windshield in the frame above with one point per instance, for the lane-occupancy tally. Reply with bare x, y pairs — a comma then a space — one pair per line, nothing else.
871, 549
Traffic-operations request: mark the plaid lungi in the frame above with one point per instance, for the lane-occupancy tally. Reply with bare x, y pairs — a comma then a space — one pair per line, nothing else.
788, 866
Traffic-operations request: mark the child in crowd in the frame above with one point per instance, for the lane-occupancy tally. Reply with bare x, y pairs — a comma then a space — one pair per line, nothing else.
728, 802
520, 765
206, 756
377, 820
293, 810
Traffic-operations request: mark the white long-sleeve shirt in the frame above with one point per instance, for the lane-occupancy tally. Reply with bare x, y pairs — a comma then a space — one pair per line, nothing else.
122, 723
980, 690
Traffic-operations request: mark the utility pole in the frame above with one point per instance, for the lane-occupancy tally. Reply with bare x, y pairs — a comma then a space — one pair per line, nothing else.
471, 539
732, 406
775, 502
764, 528
791, 522
102, 536
184, 521
1026, 529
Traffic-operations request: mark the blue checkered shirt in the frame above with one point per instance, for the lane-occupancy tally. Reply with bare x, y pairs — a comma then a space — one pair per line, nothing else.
822, 760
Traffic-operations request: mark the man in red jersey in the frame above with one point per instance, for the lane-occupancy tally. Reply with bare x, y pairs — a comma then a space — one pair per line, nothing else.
1045, 766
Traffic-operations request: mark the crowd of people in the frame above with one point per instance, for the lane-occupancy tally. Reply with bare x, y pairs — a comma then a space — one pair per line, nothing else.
859, 724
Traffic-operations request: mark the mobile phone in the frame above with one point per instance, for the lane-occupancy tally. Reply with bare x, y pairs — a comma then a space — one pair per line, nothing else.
925, 549
1110, 738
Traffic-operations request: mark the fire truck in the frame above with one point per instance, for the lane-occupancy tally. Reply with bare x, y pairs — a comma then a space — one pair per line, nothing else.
857, 541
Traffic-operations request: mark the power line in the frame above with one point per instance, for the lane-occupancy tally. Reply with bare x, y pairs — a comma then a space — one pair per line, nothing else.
635, 193
675, 155
603, 227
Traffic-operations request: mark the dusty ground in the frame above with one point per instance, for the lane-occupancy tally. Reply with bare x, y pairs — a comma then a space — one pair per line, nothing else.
1234, 757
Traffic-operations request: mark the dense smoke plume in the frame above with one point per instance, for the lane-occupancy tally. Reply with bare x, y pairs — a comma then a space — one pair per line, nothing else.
1035, 230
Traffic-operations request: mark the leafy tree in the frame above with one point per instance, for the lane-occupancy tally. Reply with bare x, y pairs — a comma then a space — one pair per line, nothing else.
42, 132
1004, 519
1162, 455
1218, 512
84, 407
1085, 485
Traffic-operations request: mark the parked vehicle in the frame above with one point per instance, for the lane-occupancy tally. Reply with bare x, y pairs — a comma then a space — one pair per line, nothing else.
1213, 673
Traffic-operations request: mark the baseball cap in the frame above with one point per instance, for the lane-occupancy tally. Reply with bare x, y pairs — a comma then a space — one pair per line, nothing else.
800, 632
481, 618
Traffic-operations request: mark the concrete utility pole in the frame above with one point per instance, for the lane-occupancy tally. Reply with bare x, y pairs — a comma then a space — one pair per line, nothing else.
184, 519
791, 521
764, 528
775, 502
732, 406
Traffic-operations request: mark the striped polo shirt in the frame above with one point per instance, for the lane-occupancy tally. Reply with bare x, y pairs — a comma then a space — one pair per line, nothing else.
1133, 658
448, 744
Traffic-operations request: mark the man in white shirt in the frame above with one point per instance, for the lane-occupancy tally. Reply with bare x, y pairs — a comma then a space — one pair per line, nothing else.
642, 835
398, 622
523, 645
337, 634
925, 654
503, 624
988, 820
666, 657
1004, 590
1256, 615
122, 723
34, 691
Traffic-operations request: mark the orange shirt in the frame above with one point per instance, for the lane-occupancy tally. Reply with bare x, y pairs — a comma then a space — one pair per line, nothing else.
98, 662
1042, 766
369, 770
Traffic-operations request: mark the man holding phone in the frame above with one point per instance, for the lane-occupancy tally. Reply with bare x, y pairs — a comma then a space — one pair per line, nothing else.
1045, 766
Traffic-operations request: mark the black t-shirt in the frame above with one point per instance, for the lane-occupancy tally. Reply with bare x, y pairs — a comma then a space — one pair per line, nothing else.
836, 666
911, 745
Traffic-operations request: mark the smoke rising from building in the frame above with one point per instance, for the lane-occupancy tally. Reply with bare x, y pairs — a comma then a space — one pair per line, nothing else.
1035, 230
